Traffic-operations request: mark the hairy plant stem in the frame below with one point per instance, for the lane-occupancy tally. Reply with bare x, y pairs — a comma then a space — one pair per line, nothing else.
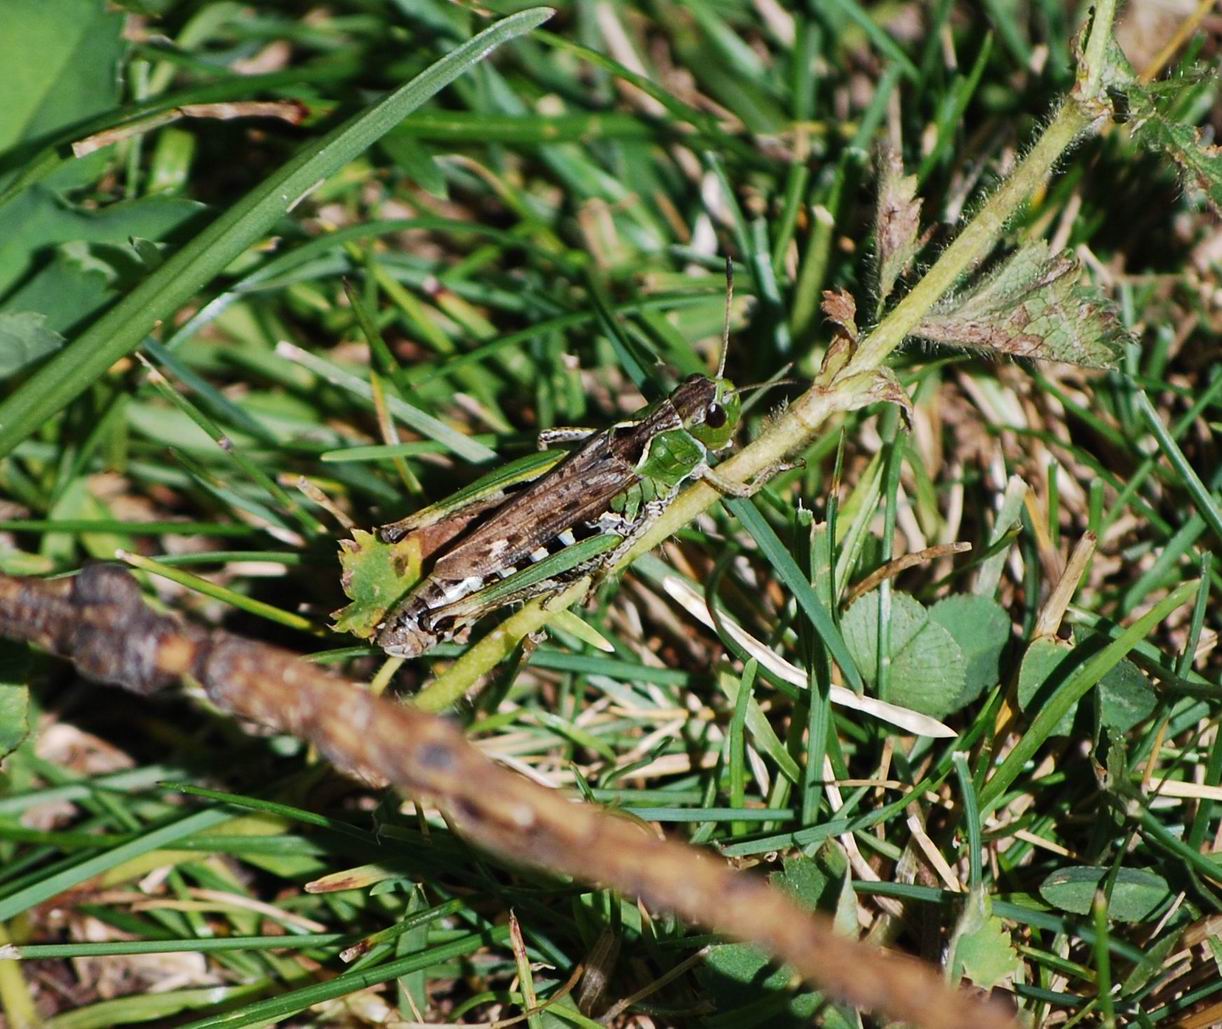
802, 420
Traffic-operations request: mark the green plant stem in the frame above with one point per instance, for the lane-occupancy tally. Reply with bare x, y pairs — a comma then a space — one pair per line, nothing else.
1094, 59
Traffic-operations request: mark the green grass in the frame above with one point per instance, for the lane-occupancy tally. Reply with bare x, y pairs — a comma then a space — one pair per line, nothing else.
455, 250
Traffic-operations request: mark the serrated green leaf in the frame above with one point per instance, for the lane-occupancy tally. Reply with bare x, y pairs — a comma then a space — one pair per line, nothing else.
928, 668
1154, 127
14, 696
1136, 895
860, 628
983, 950
24, 338
987, 955
375, 575
981, 627
1034, 305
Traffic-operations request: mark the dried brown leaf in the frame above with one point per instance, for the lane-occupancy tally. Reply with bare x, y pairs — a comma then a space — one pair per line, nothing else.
897, 222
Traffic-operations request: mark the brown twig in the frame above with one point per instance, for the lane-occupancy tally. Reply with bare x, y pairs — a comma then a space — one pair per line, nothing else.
900, 564
99, 621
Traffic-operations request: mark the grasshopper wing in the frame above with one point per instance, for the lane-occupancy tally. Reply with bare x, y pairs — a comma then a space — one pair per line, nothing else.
578, 490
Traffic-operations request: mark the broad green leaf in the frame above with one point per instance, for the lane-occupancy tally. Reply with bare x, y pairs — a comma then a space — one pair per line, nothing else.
1136, 896
987, 955
14, 696
983, 949
803, 879
1046, 664
928, 668
846, 917
740, 970
38, 220
24, 338
860, 627
60, 64
981, 627
1034, 306
1125, 695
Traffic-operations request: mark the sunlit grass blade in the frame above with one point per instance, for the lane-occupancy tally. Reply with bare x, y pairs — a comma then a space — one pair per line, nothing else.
121, 329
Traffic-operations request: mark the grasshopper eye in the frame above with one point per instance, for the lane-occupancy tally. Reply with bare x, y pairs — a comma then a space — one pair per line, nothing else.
714, 416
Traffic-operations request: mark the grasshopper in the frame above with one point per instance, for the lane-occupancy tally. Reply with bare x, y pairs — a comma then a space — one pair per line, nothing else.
546, 521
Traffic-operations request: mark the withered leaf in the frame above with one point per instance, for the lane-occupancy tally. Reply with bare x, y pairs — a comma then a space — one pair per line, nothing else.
1032, 306
841, 309
897, 221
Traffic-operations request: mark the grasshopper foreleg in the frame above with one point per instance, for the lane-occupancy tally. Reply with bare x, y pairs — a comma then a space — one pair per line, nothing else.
746, 489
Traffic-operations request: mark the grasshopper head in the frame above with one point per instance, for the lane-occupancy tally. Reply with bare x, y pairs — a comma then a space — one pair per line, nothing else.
709, 409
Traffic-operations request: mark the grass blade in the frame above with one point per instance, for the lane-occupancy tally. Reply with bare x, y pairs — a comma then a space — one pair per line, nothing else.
123, 328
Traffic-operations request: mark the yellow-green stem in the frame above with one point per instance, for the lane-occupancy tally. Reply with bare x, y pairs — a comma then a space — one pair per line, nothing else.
974, 242
448, 688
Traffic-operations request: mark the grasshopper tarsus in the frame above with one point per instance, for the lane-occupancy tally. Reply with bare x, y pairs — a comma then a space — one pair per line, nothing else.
744, 490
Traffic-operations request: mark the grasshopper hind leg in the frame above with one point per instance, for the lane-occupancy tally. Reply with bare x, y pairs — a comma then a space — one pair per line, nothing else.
548, 438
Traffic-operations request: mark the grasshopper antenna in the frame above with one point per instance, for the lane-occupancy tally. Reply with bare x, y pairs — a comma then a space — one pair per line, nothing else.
767, 384
759, 387
725, 330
